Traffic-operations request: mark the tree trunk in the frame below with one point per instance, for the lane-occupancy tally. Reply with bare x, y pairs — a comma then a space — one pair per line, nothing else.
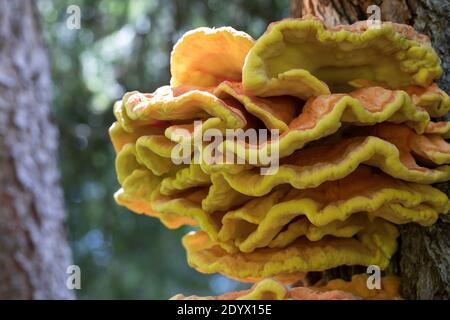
423, 261
34, 253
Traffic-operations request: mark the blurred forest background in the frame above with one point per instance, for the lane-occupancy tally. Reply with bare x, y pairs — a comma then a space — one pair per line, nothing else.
124, 46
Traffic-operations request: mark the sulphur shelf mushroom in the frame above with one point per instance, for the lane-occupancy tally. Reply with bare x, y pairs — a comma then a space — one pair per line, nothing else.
358, 149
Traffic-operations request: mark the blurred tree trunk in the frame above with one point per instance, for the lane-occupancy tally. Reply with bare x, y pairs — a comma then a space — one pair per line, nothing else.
34, 253
424, 254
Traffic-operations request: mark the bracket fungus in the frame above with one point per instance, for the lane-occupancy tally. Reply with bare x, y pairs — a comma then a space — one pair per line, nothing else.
301, 57
357, 151
205, 57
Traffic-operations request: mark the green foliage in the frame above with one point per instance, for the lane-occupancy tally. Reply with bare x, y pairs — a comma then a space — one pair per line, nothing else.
124, 46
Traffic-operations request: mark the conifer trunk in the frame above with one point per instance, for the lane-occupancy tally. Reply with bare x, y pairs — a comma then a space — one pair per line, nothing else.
34, 253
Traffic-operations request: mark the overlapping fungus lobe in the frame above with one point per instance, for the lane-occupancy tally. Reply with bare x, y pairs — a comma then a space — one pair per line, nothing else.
340, 208
302, 57
374, 244
324, 115
270, 289
433, 99
311, 167
275, 112
163, 104
389, 287
207, 56
267, 289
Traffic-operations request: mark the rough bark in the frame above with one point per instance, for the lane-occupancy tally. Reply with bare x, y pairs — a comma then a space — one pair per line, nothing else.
424, 255
34, 253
